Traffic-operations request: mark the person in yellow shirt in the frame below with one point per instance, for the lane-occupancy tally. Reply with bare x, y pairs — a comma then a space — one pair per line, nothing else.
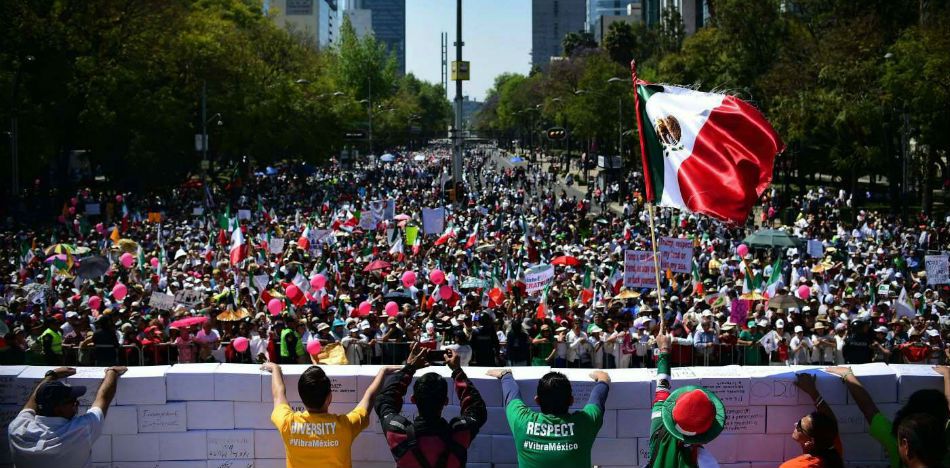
315, 437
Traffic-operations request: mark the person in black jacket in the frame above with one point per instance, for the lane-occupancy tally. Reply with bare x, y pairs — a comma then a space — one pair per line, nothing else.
518, 346
429, 441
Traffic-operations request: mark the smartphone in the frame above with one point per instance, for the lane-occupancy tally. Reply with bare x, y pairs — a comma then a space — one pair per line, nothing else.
436, 358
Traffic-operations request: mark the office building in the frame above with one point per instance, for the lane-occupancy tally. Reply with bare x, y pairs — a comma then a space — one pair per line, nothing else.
550, 21
317, 19
598, 8
388, 21
694, 13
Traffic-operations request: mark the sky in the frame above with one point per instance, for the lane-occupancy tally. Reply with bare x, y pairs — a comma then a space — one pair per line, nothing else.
497, 36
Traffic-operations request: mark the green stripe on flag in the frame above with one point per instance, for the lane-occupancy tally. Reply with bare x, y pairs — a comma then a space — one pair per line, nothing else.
651, 142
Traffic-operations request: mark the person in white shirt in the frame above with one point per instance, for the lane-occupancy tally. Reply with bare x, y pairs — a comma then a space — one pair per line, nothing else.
598, 354
825, 345
579, 350
354, 346
461, 347
48, 433
799, 349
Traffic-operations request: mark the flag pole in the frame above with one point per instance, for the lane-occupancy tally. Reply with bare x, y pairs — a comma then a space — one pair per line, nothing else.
656, 268
651, 196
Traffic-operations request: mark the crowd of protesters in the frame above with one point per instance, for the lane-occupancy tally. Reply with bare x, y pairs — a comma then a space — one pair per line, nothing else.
863, 296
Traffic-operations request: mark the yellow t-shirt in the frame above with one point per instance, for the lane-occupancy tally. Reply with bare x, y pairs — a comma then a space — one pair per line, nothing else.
321, 439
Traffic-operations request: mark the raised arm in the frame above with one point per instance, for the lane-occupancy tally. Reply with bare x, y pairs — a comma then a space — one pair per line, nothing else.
857, 391
107, 390
473, 406
663, 377
945, 372
277, 390
390, 399
806, 382
367, 401
598, 396
509, 387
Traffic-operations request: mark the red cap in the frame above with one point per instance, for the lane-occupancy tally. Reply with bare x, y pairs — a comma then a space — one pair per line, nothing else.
694, 413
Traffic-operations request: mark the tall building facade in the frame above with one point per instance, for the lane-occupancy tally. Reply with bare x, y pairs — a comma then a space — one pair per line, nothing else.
550, 21
318, 19
388, 20
694, 13
598, 8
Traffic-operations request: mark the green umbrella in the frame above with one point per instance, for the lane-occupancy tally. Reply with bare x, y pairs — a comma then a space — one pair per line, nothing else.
768, 238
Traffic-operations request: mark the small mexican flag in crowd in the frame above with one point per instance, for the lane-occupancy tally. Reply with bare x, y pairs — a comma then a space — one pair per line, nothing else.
703, 152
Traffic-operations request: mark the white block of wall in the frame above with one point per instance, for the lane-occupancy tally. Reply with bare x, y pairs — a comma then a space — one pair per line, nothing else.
89, 377
368, 373
191, 445
633, 423
231, 464
26, 381
137, 447
914, 377
210, 414
725, 447
503, 449
268, 444
629, 388
101, 450
239, 382
370, 447
171, 417
190, 381
764, 447
745, 420
879, 380
8, 384
253, 415
488, 387
142, 386
608, 451
228, 445
121, 420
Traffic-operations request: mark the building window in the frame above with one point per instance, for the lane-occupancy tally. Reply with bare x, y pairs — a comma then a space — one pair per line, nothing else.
555, 8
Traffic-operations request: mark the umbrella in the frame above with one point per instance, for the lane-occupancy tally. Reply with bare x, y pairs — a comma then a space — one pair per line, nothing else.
387, 158
402, 217
485, 248
376, 265
82, 250
233, 316
189, 321
399, 297
753, 296
59, 249
766, 238
784, 301
627, 294
128, 245
566, 260
93, 267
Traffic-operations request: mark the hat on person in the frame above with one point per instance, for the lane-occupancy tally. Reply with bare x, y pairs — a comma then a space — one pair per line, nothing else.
71, 314
322, 326
819, 326
55, 393
693, 415
595, 329
338, 323
728, 326
560, 329
779, 323
840, 327
881, 329
763, 323
799, 329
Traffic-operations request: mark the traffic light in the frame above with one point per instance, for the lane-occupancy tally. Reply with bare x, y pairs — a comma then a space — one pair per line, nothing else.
556, 133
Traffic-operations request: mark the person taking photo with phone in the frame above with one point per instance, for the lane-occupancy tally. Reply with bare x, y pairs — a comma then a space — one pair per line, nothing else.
429, 441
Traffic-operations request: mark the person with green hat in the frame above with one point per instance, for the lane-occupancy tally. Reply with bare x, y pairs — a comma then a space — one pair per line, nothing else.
749, 339
682, 421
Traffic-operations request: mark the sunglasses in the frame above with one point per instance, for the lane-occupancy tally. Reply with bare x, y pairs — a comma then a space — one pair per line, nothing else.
799, 428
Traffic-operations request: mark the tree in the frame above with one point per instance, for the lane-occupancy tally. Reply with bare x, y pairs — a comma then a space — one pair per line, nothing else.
574, 42
620, 41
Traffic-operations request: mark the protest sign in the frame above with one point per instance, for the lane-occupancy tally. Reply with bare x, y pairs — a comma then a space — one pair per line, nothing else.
197, 211
161, 301
433, 220
244, 214
739, 311
676, 254
815, 248
638, 269
535, 279
367, 220
384, 209
475, 283
412, 232
276, 245
320, 235
92, 209
188, 298
937, 269
261, 281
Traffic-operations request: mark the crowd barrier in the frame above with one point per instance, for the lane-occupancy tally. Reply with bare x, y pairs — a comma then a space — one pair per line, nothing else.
218, 415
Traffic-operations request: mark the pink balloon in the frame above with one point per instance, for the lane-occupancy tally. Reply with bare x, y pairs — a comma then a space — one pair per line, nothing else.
72, 210
365, 308
153, 262
101, 229
126, 260
445, 292
314, 347
742, 250
119, 291
94, 302
409, 279
437, 276
804, 292
275, 306
392, 309
318, 282
74, 201
240, 344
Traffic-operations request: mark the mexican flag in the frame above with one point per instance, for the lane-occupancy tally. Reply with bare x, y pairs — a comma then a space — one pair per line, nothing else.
775, 278
238, 247
449, 233
703, 152
472, 238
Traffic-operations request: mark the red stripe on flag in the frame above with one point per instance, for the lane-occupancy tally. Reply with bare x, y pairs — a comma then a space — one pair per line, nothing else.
731, 164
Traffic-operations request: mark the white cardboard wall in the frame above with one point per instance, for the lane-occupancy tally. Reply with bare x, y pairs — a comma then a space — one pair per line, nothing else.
211, 415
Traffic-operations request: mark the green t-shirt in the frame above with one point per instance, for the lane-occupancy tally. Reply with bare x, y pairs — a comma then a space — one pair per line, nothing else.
752, 355
548, 441
881, 431
540, 352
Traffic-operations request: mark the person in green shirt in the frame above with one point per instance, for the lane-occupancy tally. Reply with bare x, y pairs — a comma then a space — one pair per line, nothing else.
542, 347
881, 428
750, 340
554, 437
682, 421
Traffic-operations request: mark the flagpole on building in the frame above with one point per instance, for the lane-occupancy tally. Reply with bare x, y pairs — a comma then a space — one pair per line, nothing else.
656, 268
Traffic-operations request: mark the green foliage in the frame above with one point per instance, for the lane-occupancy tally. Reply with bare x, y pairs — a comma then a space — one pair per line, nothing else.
574, 42
123, 80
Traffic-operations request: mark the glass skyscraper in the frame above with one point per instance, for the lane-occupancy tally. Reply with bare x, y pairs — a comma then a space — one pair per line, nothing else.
389, 25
